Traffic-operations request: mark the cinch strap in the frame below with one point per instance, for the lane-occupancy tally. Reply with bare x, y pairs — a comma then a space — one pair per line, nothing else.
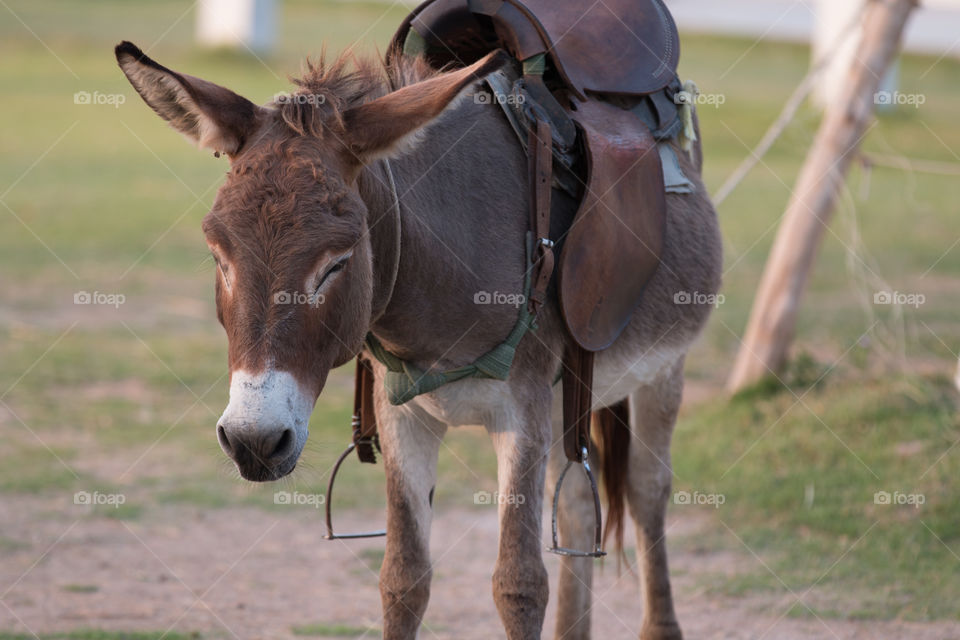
404, 381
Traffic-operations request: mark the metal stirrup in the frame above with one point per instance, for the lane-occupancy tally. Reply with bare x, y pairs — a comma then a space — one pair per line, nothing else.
329, 499
598, 551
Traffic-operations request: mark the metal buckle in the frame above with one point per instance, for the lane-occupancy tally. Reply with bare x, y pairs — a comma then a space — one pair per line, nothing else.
328, 500
598, 551
546, 243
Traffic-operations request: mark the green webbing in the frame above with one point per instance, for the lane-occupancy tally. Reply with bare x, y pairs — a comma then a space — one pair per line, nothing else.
535, 65
415, 44
404, 381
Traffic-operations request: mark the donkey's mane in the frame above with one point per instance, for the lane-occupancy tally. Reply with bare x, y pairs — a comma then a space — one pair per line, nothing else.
324, 91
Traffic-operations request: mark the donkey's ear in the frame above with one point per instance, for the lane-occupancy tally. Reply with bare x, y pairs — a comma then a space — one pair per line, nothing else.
387, 125
207, 114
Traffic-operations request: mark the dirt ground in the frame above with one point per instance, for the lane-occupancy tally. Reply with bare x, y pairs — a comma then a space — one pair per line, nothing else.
247, 574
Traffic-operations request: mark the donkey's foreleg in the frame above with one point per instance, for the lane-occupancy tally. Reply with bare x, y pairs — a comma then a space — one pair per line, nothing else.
654, 412
520, 587
410, 441
575, 523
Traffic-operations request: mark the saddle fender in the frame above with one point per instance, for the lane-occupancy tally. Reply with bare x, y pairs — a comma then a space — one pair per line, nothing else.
614, 244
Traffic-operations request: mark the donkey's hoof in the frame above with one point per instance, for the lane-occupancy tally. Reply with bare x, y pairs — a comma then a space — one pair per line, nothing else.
670, 631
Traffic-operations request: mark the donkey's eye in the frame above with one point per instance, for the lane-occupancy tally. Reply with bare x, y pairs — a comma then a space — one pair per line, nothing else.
336, 268
217, 261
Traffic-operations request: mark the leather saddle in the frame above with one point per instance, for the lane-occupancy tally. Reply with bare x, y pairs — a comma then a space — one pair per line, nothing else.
599, 83
624, 47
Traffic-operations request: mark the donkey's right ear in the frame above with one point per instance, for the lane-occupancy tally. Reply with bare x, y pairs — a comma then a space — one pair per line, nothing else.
207, 114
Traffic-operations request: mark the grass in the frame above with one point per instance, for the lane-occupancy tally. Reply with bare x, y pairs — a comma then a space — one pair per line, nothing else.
801, 480
124, 399
324, 630
80, 588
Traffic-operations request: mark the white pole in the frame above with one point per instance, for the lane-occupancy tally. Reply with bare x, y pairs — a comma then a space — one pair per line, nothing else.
237, 24
832, 18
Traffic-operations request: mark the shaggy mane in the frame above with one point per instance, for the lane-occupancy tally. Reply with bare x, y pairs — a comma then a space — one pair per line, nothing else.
324, 91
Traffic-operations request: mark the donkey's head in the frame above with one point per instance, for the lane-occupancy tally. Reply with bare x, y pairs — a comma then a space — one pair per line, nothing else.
289, 231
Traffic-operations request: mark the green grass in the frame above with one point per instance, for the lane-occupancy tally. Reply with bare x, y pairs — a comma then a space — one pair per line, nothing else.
80, 588
110, 200
324, 630
799, 479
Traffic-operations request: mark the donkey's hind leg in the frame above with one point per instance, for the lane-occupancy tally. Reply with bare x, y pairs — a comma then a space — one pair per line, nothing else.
575, 522
411, 442
653, 414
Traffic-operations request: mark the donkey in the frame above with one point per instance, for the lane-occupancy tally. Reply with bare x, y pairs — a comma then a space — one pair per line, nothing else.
307, 215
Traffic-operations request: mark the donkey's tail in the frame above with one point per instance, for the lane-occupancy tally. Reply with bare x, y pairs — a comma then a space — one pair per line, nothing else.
611, 434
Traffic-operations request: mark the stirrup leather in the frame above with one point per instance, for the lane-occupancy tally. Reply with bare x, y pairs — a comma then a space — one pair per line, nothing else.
577, 379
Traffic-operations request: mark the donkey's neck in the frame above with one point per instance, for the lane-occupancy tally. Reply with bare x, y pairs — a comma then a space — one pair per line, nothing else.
463, 220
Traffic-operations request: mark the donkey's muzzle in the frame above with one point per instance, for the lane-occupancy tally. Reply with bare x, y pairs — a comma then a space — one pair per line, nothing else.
261, 454
264, 427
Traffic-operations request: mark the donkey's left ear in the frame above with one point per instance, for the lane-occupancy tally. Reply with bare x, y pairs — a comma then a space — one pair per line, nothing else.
387, 125
207, 114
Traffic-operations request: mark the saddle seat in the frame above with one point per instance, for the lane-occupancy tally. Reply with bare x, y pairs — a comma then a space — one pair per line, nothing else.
615, 47
587, 72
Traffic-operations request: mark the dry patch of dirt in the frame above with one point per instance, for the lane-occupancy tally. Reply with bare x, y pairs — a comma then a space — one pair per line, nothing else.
252, 575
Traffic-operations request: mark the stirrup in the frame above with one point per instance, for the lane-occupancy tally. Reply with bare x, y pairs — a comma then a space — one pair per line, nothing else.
598, 551
329, 499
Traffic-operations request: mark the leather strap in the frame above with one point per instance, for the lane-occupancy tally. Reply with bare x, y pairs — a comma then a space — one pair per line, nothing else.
540, 163
577, 384
380, 306
364, 421
578, 362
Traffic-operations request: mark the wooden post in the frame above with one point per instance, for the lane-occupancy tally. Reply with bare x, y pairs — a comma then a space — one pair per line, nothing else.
773, 317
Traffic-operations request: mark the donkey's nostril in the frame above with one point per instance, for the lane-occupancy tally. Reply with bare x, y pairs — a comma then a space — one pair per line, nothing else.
224, 440
284, 444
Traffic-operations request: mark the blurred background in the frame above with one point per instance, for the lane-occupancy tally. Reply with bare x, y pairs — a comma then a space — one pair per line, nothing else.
121, 518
